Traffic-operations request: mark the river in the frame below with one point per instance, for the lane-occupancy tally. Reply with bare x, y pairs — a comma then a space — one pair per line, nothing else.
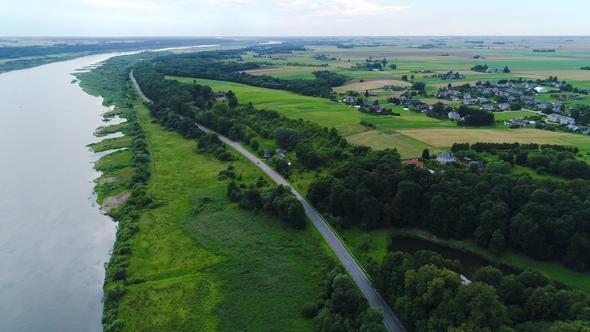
53, 239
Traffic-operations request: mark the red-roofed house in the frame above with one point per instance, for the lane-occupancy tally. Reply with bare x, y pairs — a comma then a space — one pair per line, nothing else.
415, 162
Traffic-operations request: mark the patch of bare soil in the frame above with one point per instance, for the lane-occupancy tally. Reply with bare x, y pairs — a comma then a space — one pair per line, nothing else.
114, 202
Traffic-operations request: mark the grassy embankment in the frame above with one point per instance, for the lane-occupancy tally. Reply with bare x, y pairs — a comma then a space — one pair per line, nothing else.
208, 264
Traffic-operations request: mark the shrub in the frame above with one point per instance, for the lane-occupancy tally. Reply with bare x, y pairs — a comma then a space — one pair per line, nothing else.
309, 310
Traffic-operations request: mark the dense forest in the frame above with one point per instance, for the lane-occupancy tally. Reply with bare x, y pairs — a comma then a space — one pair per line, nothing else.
427, 294
211, 65
544, 219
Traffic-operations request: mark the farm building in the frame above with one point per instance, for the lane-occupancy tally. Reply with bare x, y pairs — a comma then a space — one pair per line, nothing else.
540, 89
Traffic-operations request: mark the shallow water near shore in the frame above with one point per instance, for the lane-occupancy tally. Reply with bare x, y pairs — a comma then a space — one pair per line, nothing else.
54, 241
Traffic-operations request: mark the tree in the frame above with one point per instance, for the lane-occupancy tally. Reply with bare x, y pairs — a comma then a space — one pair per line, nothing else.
449, 86
233, 102
384, 62
425, 154
418, 86
287, 138
365, 243
366, 93
254, 144
481, 305
506, 70
473, 167
412, 77
497, 242
489, 275
393, 66
404, 77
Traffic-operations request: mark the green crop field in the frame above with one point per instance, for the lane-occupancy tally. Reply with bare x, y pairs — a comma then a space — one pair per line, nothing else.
208, 264
504, 116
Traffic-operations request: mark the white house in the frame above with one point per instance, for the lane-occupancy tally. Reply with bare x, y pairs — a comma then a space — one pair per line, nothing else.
540, 89
564, 120
454, 115
445, 157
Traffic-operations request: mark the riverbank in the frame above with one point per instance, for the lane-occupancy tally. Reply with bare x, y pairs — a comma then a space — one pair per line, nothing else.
380, 246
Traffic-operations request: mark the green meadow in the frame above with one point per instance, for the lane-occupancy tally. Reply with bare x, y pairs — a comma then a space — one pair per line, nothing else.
209, 265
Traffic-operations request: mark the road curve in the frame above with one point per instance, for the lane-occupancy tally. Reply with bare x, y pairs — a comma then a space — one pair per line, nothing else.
389, 319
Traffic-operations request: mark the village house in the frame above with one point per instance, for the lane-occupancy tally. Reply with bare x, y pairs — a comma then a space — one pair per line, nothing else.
415, 162
504, 107
560, 119
377, 108
266, 154
454, 115
445, 157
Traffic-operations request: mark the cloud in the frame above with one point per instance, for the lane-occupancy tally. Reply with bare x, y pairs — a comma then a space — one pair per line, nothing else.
348, 8
118, 4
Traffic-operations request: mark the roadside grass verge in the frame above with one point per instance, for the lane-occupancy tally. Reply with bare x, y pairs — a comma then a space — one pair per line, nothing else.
209, 265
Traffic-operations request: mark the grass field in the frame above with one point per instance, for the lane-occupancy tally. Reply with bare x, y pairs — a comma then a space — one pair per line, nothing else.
406, 146
209, 265
505, 116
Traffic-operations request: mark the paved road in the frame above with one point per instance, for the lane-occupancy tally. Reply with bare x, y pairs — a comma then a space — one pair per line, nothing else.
389, 319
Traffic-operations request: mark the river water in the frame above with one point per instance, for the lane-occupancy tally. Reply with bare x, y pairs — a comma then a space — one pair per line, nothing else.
53, 239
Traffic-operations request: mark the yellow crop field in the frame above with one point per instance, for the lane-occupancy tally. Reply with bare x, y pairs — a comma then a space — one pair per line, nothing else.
445, 137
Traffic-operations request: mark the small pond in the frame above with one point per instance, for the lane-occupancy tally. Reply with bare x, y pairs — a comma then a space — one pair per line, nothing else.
470, 262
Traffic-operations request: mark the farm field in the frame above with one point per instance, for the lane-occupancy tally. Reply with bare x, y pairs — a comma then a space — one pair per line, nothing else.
504, 116
208, 264
406, 146
446, 137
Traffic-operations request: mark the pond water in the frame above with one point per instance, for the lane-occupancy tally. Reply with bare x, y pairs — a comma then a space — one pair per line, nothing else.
470, 262
53, 239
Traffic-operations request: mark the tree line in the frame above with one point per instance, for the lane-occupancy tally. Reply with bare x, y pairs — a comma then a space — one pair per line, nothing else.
101, 47
116, 279
427, 294
210, 65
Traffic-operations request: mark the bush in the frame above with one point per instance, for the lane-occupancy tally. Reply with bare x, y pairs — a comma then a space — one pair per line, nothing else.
222, 177
309, 310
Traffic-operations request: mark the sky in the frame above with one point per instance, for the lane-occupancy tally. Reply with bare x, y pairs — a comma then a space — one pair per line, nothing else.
218, 18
